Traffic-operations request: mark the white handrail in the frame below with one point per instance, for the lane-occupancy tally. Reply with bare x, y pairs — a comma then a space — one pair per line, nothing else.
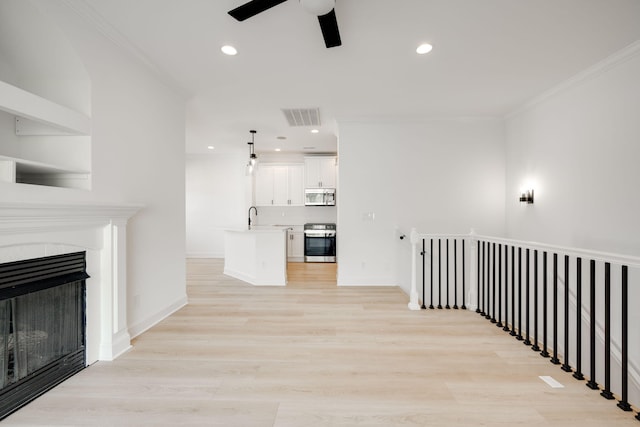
629, 260
415, 238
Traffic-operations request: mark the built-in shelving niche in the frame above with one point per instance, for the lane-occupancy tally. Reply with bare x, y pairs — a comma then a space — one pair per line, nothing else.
38, 117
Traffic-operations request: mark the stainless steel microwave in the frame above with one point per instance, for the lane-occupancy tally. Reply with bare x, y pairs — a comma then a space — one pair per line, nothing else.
320, 197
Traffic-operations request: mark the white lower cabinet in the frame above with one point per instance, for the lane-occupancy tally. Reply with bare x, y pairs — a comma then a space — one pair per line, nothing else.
295, 246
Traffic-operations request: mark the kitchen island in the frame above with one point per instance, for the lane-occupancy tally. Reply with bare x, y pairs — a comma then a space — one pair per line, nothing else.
257, 256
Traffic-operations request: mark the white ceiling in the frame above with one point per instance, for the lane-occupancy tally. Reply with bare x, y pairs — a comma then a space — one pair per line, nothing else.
489, 57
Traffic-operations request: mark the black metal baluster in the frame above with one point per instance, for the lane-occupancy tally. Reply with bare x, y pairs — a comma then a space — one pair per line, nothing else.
448, 268
484, 283
463, 267
544, 352
423, 253
555, 359
478, 276
488, 289
455, 274
592, 384
624, 404
535, 346
526, 299
506, 289
519, 336
499, 324
439, 273
578, 373
431, 273
493, 285
513, 291
565, 366
606, 393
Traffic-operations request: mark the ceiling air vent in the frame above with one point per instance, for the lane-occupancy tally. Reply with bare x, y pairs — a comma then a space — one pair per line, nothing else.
302, 116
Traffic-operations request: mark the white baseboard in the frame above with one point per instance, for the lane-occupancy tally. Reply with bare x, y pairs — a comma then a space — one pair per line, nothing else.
369, 284
148, 323
205, 255
250, 279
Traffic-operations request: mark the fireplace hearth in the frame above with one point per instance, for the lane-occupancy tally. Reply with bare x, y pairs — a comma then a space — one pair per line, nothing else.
42, 326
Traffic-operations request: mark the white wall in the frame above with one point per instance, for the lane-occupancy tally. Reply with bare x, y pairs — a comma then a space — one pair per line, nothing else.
216, 199
137, 149
439, 176
579, 147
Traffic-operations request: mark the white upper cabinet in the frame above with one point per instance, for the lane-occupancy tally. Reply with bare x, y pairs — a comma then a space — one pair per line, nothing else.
320, 172
296, 185
264, 185
279, 185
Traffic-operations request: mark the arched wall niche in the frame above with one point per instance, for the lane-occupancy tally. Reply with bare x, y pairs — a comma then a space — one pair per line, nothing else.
36, 56
45, 106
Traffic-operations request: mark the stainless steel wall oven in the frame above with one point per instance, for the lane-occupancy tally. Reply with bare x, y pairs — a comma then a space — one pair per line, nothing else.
320, 243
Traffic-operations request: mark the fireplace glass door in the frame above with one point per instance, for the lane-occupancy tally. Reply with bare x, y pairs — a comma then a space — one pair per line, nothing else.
42, 326
39, 328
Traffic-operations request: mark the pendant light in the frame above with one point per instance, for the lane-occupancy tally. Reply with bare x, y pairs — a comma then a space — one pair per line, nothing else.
253, 159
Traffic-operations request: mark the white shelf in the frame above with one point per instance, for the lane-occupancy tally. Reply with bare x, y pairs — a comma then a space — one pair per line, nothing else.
37, 116
15, 170
34, 108
31, 167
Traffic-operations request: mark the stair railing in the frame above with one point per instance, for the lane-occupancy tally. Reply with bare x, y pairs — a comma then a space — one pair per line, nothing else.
549, 297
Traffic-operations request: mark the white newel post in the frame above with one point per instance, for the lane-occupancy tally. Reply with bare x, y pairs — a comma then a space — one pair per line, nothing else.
414, 303
473, 274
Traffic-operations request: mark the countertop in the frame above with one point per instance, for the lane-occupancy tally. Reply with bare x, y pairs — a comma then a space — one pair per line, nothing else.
262, 229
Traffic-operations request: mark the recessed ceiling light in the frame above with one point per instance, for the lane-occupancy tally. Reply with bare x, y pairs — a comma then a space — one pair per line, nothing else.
229, 50
424, 48
308, 148
314, 131
277, 149
211, 147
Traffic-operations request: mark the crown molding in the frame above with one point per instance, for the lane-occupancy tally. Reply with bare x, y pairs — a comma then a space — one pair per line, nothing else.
417, 120
85, 11
592, 72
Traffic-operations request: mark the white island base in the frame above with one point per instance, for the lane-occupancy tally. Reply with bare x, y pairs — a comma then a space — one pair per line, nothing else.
257, 256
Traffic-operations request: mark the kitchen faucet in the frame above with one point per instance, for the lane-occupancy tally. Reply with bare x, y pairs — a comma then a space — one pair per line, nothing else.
249, 214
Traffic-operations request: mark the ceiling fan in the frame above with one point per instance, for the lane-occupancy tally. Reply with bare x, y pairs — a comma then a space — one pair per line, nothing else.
323, 9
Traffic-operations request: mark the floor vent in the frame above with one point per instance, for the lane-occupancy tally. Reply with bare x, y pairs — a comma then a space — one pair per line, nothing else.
551, 382
302, 116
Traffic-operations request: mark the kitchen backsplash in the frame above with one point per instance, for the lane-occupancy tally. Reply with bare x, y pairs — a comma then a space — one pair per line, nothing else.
295, 215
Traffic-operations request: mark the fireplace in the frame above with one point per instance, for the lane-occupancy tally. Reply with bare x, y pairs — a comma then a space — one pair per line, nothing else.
42, 326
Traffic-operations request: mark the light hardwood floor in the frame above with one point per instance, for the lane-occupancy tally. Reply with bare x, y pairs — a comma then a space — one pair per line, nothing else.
314, 354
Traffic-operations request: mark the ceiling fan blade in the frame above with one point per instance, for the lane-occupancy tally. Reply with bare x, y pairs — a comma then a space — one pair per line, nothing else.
253, 8
329, 27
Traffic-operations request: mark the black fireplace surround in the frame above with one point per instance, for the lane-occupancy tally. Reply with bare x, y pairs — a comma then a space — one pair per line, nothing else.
42, 326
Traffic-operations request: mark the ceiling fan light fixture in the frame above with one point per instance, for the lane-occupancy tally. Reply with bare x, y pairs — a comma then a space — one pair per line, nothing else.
318, 7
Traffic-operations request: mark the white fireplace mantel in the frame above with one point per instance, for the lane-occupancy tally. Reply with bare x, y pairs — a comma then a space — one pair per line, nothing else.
32, 230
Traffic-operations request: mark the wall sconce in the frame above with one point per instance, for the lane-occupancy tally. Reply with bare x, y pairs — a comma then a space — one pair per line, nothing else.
527, 196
